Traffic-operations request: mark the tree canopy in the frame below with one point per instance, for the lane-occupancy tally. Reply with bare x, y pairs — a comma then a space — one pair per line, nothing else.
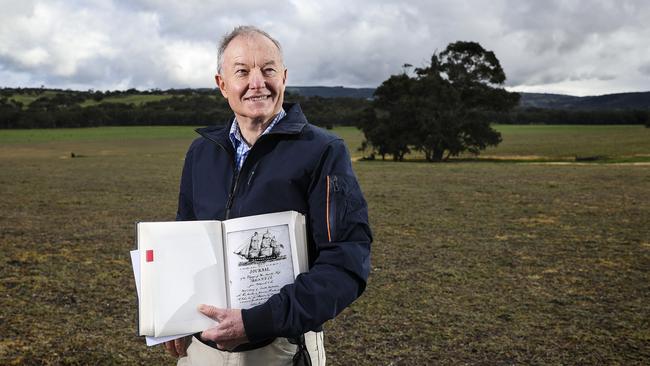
441, 109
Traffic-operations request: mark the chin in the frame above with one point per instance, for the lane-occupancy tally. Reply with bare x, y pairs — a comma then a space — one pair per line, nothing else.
262, 111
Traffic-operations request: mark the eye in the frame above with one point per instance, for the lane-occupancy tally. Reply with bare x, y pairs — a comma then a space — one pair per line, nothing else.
269, 71
241, 72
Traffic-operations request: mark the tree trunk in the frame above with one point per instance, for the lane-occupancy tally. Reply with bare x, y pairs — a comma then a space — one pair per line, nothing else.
437, 154
427, 154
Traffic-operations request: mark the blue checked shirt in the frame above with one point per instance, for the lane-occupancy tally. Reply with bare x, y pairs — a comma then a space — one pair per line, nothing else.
241, 147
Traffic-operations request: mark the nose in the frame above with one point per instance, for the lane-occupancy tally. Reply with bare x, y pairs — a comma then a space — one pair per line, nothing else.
256, 79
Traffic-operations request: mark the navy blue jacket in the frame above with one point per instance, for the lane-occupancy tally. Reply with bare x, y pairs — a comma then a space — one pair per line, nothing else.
296, 166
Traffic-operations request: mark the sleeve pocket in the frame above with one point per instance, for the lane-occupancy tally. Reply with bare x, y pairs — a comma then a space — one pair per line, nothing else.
343, 207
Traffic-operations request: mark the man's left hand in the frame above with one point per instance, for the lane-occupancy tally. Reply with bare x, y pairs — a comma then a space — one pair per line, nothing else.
230, 332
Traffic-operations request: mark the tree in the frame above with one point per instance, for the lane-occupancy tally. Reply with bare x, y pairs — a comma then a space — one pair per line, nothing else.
388, 123
9, 112
442, 109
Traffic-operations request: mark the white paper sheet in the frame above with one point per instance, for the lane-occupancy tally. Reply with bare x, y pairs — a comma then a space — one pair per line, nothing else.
186, 270
151, 341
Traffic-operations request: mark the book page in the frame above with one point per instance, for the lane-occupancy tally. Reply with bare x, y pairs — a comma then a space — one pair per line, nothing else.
135, 263
186, 269
302, 259
261, 256
145, 306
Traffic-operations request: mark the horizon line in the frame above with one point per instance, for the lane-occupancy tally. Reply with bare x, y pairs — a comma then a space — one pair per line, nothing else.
43, 87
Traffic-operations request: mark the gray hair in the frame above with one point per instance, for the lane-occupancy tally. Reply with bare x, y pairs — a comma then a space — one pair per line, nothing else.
242, 30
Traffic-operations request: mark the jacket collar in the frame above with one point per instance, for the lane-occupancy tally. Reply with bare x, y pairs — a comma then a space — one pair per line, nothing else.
291, 124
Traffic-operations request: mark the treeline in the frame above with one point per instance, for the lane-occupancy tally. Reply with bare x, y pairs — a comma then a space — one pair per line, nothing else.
52, 108
58, 108
50, 113
570, 117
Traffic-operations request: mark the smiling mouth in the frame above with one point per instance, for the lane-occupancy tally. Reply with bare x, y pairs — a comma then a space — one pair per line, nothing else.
258, 98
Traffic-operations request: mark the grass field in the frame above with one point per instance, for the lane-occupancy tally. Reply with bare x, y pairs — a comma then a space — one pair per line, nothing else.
567, 142
27, 99
128, 99
18, 138
520, 142
474, 262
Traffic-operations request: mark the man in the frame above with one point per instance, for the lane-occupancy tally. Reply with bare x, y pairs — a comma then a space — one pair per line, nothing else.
270, 159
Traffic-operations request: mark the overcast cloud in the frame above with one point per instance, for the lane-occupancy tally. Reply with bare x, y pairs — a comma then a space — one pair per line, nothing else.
575, 47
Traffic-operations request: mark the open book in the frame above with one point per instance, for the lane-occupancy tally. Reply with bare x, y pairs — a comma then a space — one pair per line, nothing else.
237, 263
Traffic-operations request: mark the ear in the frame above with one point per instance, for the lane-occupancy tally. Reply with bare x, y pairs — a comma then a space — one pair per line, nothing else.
221, 84
284, 77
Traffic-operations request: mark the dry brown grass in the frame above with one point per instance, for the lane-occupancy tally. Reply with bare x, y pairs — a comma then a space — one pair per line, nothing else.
473, 263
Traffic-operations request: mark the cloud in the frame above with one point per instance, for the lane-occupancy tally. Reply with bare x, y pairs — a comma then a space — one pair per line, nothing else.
575, 46
565, 42
645, 69
98, 42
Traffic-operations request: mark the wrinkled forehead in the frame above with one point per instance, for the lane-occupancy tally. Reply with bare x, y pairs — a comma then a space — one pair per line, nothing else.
252, 49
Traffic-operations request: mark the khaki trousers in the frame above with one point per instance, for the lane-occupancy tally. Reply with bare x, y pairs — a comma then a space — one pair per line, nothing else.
279, 353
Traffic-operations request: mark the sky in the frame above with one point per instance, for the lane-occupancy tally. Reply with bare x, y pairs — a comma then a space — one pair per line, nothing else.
575, 47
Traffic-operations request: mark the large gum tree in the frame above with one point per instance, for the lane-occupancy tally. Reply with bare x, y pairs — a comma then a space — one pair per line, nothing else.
440, 109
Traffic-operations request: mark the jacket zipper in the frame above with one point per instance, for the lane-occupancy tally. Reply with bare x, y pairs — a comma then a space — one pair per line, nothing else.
233, 186
231, 196
332, 186
236, 174
252, 173
233, 190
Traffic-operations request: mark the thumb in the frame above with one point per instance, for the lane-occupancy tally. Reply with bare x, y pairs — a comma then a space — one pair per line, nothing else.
211, 311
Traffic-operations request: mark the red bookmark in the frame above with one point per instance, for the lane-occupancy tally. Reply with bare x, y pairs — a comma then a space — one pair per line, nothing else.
150, 255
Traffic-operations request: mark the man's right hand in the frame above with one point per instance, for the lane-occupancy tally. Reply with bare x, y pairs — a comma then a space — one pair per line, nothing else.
178, 347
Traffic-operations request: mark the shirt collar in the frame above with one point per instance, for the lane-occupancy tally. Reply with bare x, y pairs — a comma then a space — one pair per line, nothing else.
235, 133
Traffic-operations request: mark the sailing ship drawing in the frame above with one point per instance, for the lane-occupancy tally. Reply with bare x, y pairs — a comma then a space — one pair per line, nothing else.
260, 248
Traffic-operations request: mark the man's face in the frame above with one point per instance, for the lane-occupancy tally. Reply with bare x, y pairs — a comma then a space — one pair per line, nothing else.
252, 78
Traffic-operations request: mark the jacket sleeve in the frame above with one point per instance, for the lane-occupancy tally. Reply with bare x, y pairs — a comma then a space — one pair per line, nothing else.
185, 211
338, 218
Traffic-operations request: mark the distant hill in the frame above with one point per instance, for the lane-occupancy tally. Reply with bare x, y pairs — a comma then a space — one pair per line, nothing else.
331, 91
547, 101
619, 101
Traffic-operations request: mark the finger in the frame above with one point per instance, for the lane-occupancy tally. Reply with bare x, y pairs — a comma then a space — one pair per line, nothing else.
169, 346
210, 334
179, 345
213, 312
227, 346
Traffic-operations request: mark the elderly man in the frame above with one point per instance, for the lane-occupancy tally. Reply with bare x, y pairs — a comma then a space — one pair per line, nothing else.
268, 158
